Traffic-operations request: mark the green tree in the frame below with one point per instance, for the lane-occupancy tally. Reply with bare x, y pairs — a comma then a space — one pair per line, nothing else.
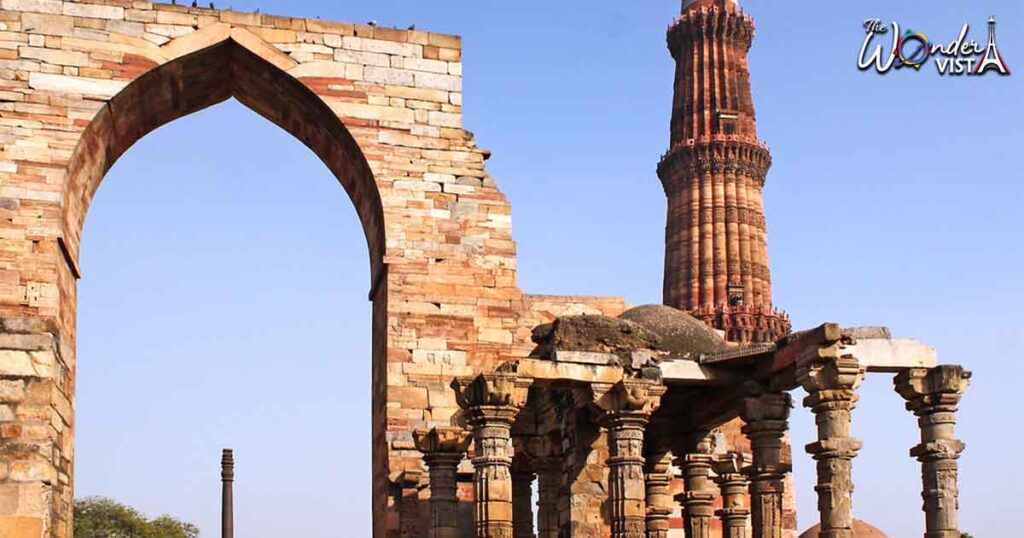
99, 517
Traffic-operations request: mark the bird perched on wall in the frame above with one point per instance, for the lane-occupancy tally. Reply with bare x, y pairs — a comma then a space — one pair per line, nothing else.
412, 26
371, 23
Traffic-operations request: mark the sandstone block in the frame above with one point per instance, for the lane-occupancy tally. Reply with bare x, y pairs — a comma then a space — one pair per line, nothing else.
430, 66
12, 390
55, 56
16, 363
409, 397
75, 85
438, 81
93, 11
445, 119
387, 75
38, 6
393, 48
371, 112
47, 24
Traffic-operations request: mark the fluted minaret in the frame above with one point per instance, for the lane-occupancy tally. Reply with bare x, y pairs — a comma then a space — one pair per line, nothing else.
716, 249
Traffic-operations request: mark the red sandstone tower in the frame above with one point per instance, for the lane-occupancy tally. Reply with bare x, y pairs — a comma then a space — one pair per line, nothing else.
716, 250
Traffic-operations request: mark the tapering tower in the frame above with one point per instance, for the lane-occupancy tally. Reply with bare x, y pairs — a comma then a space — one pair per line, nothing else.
716, 251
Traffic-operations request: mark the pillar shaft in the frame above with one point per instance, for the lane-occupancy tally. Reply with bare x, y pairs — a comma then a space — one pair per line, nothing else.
699, 496
444, 502
659, 499
549, 486
831, 387
492, 472
765, 415
522, 504
933, 395
227, 510
625, 409
626, 489
443, 449
492, 402
733, 485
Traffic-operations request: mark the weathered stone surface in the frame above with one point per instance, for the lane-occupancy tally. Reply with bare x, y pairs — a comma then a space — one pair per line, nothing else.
678, 332
601, 334
860, 530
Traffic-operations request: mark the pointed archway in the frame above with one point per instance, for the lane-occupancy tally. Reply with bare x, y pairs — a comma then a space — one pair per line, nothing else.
227, 63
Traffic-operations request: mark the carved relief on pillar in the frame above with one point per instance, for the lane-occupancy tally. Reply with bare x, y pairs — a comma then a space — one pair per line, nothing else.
492, 402
933, 394
695, 459
624, 410
766, 415
831, 386
732, 483
443, 449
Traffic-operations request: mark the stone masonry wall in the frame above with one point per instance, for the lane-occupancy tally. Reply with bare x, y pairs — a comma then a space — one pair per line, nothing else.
80, 81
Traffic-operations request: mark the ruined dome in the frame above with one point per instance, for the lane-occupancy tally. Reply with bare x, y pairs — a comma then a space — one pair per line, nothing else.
592, 333
860, 530
679, 332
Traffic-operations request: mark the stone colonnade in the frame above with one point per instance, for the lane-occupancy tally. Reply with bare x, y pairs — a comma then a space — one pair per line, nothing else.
638, 482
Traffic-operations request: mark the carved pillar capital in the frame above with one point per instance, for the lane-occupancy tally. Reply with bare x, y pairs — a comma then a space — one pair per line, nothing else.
933, 394
442, 440
931, 390
443, 448
766, 414
496, 395
633, 396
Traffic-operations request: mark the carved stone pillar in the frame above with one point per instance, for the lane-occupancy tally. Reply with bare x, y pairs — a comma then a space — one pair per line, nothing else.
492, 402
522, 503
659, 496
443, 448
625, 410
766, 414
933, 395
696, 459
831, 386
733, 485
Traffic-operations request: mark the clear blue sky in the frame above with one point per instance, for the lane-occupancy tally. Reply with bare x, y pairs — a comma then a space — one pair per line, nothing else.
223, 301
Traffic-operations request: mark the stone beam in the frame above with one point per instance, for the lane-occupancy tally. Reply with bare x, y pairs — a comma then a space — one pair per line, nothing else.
872, 348
692, 373
545, 372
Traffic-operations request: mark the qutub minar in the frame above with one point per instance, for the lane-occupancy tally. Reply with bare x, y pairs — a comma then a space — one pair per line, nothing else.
650, 421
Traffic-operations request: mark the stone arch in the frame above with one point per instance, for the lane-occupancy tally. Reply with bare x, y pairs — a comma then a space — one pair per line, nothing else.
234, 65
185, 76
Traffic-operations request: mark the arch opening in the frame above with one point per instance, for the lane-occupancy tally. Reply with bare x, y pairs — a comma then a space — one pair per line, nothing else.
202, 79
198, 80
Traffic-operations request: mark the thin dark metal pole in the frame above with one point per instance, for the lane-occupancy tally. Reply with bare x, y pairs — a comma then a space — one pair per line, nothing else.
227, 507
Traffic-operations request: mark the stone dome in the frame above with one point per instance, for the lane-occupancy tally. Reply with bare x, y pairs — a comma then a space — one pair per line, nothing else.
860, 530
679, 332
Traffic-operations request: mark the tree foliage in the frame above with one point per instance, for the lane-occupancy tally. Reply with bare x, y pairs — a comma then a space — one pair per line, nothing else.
99, 517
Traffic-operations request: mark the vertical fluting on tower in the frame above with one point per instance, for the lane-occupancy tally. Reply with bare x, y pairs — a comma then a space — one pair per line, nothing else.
716, 252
